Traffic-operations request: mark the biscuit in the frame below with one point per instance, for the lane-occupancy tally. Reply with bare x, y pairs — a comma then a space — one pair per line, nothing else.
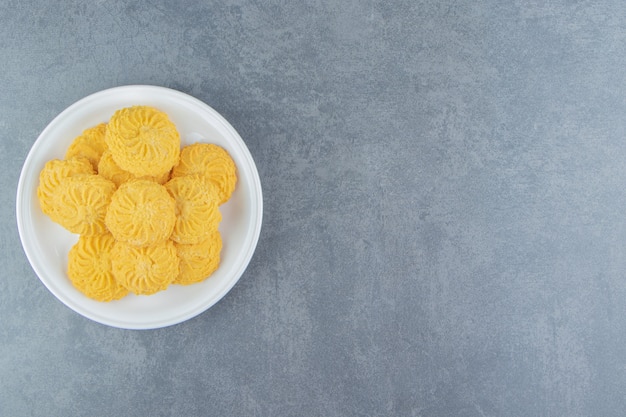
141, 213
90, 145
197, 211
213, 163
53, 173
90, 271
198, 261
145, 270
143, 141
80, 203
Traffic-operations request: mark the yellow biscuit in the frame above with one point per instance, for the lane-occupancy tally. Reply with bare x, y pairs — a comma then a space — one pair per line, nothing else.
198, 261
111, 171
90, 271
145, 270
143, 141
211, 162
53, 173
90, 145
197, 211
141, 213
80, 203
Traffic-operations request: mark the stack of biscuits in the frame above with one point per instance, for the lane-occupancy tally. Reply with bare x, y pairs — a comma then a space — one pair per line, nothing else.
146, 211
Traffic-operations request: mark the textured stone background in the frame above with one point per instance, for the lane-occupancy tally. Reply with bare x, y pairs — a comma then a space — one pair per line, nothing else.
444, 229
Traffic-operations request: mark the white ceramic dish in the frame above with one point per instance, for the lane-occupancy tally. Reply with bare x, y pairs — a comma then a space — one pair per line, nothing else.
46, 244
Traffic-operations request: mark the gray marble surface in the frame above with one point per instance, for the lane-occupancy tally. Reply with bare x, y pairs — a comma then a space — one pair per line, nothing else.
445, 208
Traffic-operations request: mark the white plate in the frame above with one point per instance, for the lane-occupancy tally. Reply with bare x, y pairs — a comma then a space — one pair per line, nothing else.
46, 244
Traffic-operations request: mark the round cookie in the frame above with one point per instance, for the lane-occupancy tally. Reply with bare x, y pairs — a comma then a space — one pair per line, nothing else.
90, 145
141, 213
90, 271
143, 141
53, 173
80, 203
198, 261
145, 270
197, 211
213, 163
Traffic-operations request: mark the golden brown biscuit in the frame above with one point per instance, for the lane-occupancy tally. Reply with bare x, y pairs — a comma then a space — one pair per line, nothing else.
90, 271
145, 270
198, 261
90, 145
143, 141
80, 203
141, 213
213, 163
197, 211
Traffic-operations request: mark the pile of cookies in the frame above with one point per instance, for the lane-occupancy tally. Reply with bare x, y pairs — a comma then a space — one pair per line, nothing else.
147, 211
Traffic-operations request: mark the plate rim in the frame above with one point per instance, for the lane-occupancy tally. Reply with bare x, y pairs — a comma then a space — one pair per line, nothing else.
251, 244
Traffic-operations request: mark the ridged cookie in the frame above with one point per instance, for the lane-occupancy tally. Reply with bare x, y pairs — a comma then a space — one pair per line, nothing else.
90, 271
80, 203
198, 261
145, 270
197, 211
141, 213
143, 141
90, 145
53, 173
211, 162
